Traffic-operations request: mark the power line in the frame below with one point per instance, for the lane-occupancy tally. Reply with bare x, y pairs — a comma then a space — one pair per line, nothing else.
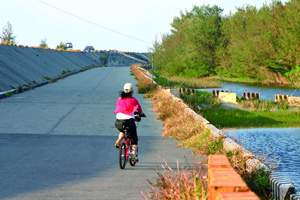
92, 22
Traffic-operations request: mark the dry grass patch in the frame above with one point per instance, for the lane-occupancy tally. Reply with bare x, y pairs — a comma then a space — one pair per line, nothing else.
164, 105
180, 183
182, 126
178, 123
144, 82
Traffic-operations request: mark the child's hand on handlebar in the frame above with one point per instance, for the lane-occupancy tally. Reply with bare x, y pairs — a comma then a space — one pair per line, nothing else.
139, 114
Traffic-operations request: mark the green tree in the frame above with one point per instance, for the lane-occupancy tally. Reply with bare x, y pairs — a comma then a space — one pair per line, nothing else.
43, 43
206, 36
7, 34
239, 30
261, 44
157, 51
62, 45
190, 49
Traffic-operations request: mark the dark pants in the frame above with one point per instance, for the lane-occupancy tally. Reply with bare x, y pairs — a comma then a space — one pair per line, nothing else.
132, 129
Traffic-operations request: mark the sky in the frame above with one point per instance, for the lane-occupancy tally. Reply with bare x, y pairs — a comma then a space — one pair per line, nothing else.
124, 25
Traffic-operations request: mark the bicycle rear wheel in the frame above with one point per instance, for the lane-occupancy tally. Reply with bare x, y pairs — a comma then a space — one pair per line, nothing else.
122, 156
131, 162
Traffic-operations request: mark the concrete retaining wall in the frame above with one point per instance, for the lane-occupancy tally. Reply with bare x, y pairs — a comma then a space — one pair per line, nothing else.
188, 90
281, 188
215, 93
227, 97
294, 101
281, 97
251, 96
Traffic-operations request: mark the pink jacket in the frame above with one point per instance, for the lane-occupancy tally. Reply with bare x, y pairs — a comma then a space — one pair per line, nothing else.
127, 106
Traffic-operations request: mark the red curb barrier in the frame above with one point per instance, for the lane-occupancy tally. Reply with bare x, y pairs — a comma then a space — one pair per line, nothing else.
218, 161
237, 196
224, 183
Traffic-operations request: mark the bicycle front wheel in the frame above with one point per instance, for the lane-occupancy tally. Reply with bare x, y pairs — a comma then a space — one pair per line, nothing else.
122, 156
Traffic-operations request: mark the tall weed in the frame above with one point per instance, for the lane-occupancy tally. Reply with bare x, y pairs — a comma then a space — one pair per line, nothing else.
178, 123
180, 183
164, 105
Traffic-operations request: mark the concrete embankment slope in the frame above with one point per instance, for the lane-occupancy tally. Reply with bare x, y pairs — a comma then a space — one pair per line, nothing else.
21, 66
117, 58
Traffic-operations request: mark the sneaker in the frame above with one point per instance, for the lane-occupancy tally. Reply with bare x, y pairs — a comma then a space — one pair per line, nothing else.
117, 145
134, 158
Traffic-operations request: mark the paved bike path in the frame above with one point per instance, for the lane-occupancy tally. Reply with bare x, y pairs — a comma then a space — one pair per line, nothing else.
57, 141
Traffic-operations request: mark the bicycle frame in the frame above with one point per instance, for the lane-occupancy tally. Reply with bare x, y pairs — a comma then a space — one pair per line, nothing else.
125, 151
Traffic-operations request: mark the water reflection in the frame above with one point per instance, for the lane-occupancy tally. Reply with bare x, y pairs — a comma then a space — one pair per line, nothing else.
283, 143
266, 93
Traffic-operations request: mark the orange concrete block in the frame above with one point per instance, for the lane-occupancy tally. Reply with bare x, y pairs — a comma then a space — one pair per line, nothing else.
224, 180
218, 161
236, 196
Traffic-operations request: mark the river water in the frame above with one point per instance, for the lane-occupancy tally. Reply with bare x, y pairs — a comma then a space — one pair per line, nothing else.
280, 143
266, 93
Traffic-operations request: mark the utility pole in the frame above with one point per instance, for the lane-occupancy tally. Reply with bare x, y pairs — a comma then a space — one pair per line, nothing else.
152, 66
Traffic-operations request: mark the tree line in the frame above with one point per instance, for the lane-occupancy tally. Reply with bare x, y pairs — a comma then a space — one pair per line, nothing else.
7, 38
257, 44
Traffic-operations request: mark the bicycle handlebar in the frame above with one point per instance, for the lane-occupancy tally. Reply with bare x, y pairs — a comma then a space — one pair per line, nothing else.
138, 116
143, 115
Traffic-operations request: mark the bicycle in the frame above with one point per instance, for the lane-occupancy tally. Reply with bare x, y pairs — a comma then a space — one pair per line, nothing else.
125, 152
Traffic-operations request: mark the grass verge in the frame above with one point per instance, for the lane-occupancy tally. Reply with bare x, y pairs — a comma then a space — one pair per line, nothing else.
184, 82
189, 184
144, 83
260, 114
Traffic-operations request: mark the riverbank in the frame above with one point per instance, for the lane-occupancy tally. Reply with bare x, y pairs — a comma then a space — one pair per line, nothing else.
183, 82
243, 115
166, 80
194, 133
258, 83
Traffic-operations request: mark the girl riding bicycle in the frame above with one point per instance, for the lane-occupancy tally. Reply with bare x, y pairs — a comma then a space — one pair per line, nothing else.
126, 106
